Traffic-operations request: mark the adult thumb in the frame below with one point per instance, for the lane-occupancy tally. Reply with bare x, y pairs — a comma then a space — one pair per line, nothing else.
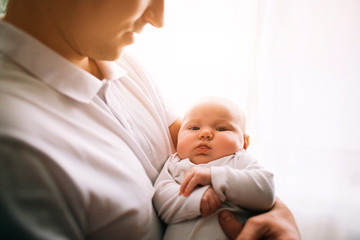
231, 226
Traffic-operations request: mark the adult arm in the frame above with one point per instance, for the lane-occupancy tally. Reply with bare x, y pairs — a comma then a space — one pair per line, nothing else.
249, 185
277, 224
31, 203
171, 206
174, 131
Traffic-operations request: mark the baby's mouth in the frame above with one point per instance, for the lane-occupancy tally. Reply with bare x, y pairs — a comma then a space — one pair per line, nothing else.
202, 148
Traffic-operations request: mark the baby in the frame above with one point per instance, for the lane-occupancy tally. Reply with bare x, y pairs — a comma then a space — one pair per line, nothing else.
210, 172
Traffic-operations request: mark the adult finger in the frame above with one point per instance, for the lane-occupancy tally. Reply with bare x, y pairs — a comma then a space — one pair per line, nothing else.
229, 224
210, 205
255, 228
218, 202
215, 201
204, 207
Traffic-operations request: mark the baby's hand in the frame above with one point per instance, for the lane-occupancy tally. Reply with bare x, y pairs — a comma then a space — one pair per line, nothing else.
195, 176
210, 202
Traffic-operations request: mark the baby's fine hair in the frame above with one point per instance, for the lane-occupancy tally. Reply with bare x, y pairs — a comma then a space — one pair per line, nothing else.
226, 102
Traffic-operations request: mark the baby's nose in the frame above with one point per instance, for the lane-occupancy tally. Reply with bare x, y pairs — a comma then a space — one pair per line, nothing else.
206, 134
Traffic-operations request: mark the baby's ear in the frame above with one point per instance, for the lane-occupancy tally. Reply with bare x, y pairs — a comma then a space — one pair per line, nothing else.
246, 141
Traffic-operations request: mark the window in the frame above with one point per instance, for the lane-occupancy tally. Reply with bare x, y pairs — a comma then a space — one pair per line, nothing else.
3, 4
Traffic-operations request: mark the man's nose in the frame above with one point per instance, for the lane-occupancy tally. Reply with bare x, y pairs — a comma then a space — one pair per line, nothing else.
206, 134
155, 13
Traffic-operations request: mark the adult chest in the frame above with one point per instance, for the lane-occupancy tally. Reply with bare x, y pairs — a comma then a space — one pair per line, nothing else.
142, 117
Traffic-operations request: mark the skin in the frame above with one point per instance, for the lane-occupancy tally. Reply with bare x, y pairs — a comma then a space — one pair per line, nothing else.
212, 129
174, 132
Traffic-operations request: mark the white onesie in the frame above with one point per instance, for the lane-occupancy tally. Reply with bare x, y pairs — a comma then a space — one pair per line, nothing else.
243, 185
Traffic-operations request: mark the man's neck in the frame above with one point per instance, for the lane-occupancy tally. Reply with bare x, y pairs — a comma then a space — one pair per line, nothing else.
40, 24
90, 66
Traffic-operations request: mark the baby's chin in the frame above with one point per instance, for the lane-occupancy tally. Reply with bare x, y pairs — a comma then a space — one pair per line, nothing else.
202, 159
205, 158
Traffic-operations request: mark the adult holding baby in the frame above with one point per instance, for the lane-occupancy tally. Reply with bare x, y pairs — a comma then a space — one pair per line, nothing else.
83, 137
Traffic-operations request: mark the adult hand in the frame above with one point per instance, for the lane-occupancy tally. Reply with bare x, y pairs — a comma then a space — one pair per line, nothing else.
210, 202
278, 224
194, 177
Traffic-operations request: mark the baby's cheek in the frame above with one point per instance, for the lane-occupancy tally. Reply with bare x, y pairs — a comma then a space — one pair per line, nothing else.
183, 148
233, 144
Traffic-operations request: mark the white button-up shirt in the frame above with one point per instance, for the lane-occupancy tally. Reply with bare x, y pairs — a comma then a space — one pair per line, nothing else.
78, 156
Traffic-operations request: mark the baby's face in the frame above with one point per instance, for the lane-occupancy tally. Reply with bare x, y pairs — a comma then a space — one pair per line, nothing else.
209, 131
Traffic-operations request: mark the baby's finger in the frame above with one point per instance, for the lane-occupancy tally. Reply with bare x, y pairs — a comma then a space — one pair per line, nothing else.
190, 186
185, 182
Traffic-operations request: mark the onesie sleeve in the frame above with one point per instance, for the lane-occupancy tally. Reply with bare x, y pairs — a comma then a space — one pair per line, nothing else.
248, 185
171, 207
31, 204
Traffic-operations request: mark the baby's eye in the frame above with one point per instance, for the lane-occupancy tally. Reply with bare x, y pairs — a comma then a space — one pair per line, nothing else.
220, 129
194, 128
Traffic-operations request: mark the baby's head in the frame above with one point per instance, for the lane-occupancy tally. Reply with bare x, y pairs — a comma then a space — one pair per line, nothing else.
212, 128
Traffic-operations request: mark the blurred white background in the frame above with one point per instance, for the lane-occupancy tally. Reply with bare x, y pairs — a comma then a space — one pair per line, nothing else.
294, 67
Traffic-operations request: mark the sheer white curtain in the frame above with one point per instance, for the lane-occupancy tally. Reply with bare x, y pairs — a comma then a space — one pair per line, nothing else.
308, 105
293, 65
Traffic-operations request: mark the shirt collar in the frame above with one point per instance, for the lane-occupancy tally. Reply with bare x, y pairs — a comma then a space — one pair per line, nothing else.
51, 68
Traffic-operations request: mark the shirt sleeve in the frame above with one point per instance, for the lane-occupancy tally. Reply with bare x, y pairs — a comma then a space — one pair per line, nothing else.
31, 203
171, 207
249, 186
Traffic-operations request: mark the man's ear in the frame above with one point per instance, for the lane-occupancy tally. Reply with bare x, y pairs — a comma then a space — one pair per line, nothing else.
246, 141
